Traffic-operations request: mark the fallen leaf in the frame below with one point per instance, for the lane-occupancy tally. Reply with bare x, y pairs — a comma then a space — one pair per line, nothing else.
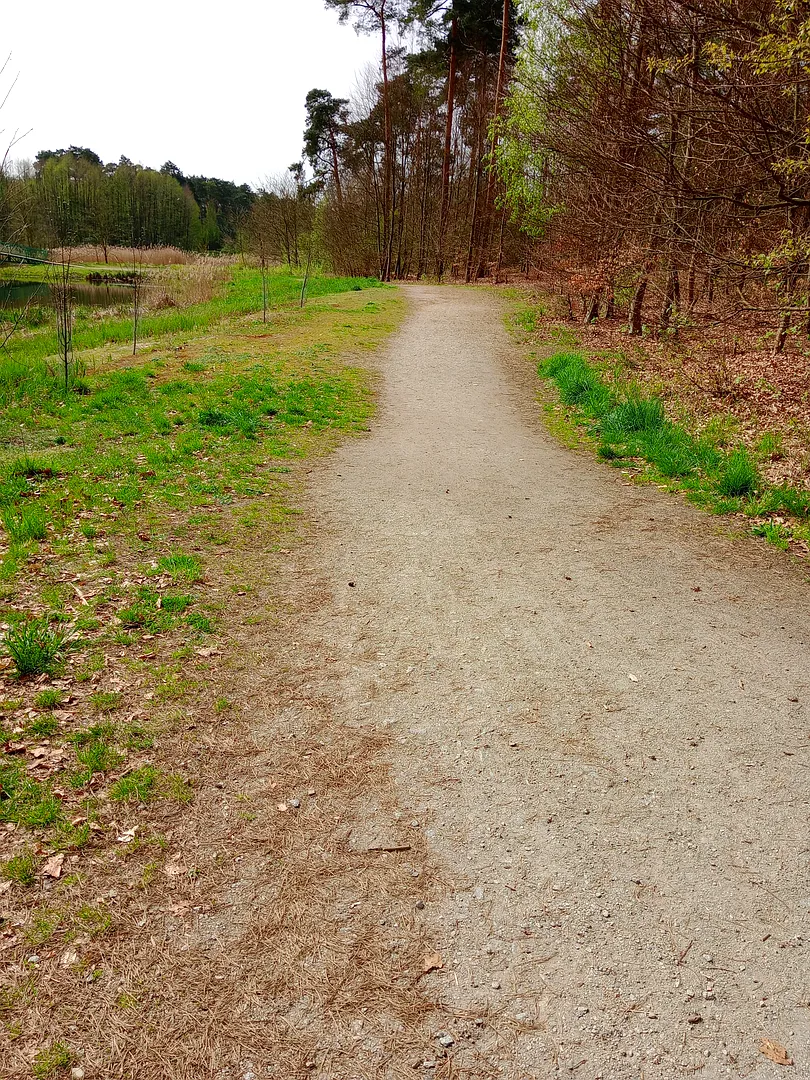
69, 958
174, 869
53, 867
4, 887
128, 836
282, 808
433, 962
775, 1052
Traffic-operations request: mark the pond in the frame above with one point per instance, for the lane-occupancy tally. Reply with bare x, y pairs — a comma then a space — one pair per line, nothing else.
18, 294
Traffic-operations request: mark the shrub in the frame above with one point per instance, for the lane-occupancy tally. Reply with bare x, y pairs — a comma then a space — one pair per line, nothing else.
34, 646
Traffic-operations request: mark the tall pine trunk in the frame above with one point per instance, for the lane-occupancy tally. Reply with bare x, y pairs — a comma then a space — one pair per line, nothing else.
448, 142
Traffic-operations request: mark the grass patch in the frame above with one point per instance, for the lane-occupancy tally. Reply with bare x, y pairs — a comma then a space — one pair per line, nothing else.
42, 727
24, 523
34, 646
186, 568
21, 868
632, 428
106, 701
737, 475
137, 786
49, 699
25, 801
53, 1061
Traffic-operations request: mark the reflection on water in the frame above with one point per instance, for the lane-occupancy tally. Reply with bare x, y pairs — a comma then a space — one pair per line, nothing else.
17, 294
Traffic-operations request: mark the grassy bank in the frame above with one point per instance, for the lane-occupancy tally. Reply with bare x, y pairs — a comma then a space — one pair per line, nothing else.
143, 513
29, 360
630, 428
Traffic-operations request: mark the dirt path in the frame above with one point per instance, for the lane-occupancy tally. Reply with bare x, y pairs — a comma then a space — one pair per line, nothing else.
598, 712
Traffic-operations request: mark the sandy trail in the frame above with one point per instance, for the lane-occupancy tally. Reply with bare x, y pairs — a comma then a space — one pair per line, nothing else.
598, 711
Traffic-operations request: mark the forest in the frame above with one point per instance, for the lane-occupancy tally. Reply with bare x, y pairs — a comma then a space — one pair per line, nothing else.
646, 157
69, 196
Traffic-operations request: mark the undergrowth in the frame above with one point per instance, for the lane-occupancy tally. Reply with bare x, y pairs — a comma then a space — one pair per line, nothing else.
631, 429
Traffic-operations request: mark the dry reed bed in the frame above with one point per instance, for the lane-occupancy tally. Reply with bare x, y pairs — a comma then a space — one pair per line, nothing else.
124, 256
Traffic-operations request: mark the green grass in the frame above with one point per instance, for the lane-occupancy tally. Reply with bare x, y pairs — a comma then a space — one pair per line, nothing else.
49, 699
24, 800
24, 523
42, 727
137, 786
34, 646
631, 427
106, 701
179, 567
53, 1061
169, 443
21, 868
136, 438
24, 369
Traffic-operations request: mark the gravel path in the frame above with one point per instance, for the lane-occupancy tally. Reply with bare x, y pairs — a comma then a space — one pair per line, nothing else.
598, 708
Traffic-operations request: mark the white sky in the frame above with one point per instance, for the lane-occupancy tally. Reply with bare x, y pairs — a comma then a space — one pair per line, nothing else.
218, 88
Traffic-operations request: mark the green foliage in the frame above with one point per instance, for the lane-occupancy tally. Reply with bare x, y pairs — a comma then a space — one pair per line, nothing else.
155, 612
94, 758
774, 533
34, 646
43, 727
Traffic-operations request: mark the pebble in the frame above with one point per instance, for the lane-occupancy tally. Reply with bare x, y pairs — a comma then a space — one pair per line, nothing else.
77, 1073
605, 913
295, 803
496, 985
445, 1039
420, 905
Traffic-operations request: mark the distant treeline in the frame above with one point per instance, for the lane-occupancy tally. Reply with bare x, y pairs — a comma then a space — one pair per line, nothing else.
70, 197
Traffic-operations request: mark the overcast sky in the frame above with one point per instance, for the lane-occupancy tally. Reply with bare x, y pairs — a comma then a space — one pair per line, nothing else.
217, 88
